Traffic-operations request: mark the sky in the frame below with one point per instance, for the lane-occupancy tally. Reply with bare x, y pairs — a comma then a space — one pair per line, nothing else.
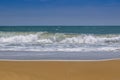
59, 12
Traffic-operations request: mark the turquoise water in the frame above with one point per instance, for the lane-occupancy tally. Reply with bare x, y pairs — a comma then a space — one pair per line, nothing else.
64, 29
60, 38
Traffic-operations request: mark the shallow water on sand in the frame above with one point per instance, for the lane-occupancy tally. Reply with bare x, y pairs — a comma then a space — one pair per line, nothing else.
32, 55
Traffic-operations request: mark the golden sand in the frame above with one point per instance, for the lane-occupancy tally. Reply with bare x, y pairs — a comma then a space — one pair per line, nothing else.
43, 70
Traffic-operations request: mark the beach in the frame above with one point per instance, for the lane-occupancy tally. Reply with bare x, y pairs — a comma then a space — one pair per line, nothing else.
59, 52
60, 70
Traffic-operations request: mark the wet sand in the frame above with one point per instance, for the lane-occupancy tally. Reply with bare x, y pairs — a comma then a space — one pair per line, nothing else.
60, 70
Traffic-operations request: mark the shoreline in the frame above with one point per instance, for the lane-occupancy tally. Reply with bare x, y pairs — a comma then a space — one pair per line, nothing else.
13, 60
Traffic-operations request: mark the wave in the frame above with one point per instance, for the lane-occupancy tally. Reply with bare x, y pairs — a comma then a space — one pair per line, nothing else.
44, 41
44, 37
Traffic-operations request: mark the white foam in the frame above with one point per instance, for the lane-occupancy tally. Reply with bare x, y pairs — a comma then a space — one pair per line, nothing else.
59, 38
19, 39
58, 42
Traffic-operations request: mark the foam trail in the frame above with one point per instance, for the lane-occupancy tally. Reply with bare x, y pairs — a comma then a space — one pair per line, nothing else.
44, 41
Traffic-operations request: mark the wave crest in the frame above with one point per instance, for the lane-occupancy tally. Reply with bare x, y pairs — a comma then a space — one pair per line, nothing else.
42, 41
57, 38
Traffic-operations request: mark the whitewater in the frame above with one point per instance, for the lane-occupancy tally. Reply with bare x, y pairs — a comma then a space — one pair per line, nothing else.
46, 41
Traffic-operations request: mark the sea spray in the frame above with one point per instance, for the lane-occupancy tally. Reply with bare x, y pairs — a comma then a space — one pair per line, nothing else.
46, 41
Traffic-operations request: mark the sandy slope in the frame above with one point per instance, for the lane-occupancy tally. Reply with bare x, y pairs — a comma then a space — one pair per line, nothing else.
40, 70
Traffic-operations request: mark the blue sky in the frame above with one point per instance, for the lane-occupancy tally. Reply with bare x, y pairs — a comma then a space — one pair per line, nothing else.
59, 12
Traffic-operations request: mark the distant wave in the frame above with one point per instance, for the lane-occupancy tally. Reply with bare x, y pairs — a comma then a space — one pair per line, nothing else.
44, 41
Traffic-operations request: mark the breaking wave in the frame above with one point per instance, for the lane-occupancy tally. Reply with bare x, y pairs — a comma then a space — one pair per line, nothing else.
44, 41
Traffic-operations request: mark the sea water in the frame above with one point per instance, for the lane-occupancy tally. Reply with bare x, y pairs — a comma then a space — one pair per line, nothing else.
59, 42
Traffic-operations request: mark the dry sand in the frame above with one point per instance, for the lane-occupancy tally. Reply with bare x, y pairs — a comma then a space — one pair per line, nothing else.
53, 70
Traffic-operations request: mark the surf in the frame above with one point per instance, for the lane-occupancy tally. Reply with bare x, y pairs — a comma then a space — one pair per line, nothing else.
46, 41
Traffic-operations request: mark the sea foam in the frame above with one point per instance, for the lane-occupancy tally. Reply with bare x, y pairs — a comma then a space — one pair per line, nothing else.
44, 41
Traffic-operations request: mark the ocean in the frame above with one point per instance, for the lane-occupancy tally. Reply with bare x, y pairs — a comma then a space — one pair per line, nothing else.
59, 42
